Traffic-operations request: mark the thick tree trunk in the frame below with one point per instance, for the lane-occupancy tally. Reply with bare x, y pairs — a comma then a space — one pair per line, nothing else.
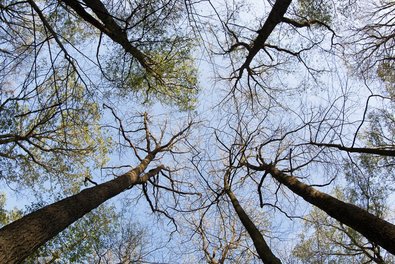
21, 238
260, 244
372, 227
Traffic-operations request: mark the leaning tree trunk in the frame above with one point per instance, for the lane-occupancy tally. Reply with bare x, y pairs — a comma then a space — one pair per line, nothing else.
260, 244
21, 238
274, 18
372, 227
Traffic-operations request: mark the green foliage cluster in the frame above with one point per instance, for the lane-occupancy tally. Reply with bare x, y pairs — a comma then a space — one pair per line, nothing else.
385, 71
173, 79
315, 10
68, 26
51, 132
51, 136
7, 216
147, 20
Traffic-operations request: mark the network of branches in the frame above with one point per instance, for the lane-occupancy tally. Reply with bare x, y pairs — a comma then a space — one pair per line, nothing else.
227, 131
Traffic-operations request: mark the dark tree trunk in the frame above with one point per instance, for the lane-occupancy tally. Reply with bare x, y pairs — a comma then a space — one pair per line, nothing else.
21, 238
260, 244
108, 26
276, 15
372, 227
378, 151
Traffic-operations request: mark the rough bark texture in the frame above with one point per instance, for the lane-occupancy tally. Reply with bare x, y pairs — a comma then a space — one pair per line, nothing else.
21, 238
260, 244
372, 227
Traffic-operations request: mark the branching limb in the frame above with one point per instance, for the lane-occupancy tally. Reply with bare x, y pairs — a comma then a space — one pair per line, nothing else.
372, 227
275, 17
109, 27
378, 151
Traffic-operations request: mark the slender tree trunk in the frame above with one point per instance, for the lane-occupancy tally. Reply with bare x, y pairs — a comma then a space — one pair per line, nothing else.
260, 244
372, 227
275, 17
21, 238
378, 151
108, 26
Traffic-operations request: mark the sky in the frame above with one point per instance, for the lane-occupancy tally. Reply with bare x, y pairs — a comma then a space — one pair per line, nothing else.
300, 103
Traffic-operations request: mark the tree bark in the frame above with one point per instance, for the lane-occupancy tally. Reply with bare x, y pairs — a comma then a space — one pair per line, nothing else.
108, 26
378, 151
275, 17
260, 244
21, 238
372, 227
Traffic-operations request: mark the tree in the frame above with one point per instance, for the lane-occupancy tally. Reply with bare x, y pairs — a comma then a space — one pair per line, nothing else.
281, 123
331, 239
45, 108
54, 99
367, 176
94, 238
34, 229
100, 235
260, 244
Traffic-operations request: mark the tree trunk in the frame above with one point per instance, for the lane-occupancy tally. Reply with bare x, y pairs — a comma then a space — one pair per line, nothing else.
21, 238
372, 227
260, 244
378, 151
276, 15
108, 26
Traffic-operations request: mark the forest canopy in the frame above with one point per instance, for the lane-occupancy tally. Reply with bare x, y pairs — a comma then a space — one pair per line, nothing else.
197, 131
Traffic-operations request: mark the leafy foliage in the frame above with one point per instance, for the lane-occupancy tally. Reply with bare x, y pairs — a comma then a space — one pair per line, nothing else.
7, 216
286, 87
315, 10
102, 235
51, 136
173, 80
